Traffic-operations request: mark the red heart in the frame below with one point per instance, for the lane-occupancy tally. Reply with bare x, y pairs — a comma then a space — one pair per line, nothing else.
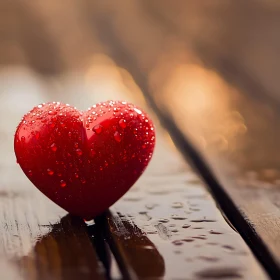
84, 161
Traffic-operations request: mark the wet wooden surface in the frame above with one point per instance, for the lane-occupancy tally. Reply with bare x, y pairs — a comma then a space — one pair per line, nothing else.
167, 226
206, 68
171, 223
38, 240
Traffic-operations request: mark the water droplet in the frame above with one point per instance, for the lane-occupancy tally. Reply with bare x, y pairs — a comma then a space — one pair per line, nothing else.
188, 240
40, 106
83, 180
137, 111
30, 173
76, 175
177, 217
199, 237
51, 124
208, 258
186, 226
177, 205
117, 136
79, 152
178, 242
97, 128
62, 183
89, 223
70, 134
76, 145
151, 231
228, 247
53, 147
122, 123
203, 220
92, 153
22, 138
52, 113
163, 220
215, 232
50, 172
151, 206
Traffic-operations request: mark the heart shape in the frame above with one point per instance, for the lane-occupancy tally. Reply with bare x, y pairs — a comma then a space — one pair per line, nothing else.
84, 161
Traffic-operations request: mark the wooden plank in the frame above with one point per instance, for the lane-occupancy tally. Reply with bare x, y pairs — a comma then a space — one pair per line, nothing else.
211, 113
171, 223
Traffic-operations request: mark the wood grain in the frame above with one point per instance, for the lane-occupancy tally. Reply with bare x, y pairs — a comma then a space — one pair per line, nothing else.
39, 242
171, 223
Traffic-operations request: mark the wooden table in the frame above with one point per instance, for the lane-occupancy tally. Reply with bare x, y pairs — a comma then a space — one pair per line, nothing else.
207, 207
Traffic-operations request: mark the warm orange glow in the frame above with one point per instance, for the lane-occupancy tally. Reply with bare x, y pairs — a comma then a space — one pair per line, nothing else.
200, 102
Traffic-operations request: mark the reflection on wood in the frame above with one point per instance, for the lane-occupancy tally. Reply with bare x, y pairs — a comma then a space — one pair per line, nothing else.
169, 220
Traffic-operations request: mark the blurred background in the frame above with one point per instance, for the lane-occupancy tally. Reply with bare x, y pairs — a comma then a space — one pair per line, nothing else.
208, 63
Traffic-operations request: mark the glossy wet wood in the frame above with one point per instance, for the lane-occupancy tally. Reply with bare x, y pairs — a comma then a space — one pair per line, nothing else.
38, 240
171, 223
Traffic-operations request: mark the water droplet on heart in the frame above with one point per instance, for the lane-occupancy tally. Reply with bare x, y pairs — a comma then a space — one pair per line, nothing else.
40, 106
90, 120
51, 124
62, 183
50, 172
76, 145
79, 152
137, 111
22, 138
122, 123
30, 173
83, 180
117, 136
62, 124
53, 147
92, 152
97, 129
